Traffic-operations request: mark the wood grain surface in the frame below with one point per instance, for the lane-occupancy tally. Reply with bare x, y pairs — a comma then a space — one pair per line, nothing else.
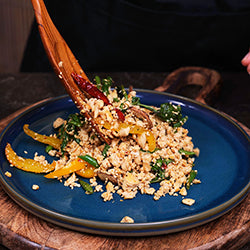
20, 229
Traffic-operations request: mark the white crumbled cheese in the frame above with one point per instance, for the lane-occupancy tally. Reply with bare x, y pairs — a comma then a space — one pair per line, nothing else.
35, 187
188, 201
127, 219
8, 174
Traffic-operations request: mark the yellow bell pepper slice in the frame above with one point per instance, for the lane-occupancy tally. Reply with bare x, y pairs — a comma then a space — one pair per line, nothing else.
151, 141
87, 171
52, 141
25, 164
69, 168
135, 129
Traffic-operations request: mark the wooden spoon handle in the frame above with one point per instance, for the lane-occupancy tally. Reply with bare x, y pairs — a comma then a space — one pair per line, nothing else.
55, 46
62, 60
195, 82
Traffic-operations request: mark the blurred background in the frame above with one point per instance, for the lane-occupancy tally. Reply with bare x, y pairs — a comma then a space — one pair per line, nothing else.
16, 17
132, 35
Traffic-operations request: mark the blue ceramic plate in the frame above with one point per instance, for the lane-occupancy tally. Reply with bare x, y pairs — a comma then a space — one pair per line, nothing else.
223, 167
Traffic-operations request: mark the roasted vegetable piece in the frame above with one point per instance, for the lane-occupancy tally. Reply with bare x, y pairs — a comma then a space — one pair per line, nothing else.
105, 150
93, 91
151, 141
167, 112
52, 141
87, 171
89, 159
186, 153
192, 176
90, 88
69, 168
135, 129
159, 169
69, 131
28, 165
86, 186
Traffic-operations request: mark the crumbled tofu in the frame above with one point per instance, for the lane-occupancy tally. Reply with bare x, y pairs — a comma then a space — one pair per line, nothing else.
110, 187
188, 201
183, 191
8, 174
196, 181
52, 152
107, 196
197, 151
127, 219
35, 187
58, 122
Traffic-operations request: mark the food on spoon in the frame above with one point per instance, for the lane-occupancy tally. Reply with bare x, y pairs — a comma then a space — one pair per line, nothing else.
148, 145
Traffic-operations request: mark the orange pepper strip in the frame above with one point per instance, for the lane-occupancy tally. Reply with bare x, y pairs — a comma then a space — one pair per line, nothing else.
69, 168
52, 141
28, 165
87, 171
135, 129
151, 141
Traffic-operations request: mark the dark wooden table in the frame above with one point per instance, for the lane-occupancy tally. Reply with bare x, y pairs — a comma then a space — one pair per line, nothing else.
231, 231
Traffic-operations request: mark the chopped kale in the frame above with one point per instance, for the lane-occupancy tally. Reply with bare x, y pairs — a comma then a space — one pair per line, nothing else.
158, 169
192, 176
167, 112
104, 84
69, 131
186, 153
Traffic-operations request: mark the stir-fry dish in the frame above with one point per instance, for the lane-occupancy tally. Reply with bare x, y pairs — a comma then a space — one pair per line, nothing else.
143, 145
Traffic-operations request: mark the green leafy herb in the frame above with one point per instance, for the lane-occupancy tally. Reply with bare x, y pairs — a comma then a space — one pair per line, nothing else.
92, 161
105, 150
187, 153
136, 100
69, 131
48, 148
116, 99
104, 84
122, 108
121, 92
86, 186
98, 82
192, 176
158, 169
167, 112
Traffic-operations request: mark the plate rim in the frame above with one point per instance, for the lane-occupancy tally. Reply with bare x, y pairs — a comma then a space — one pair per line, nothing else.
123, 229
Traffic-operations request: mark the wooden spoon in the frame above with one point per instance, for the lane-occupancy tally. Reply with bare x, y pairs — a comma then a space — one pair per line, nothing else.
62, 60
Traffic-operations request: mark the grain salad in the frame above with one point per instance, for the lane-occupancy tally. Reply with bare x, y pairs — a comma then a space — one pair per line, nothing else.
148, 145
